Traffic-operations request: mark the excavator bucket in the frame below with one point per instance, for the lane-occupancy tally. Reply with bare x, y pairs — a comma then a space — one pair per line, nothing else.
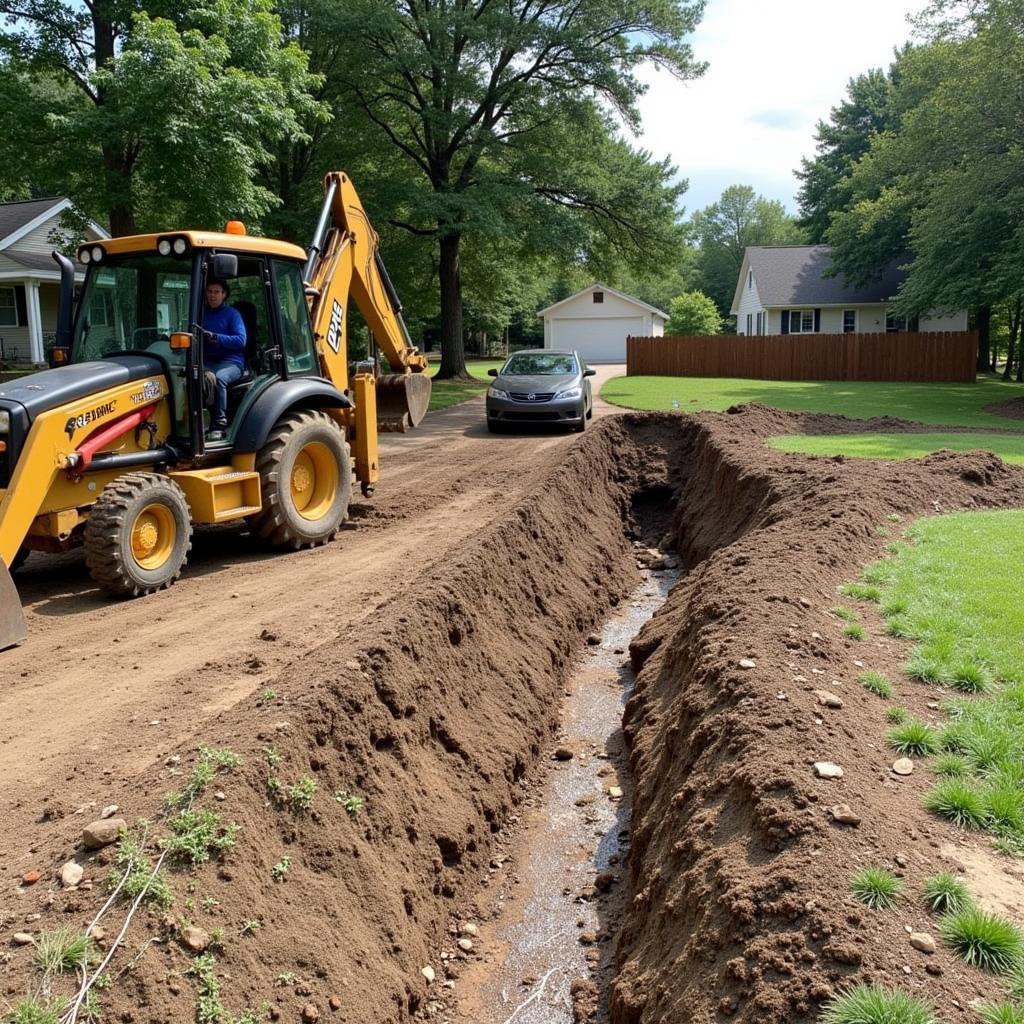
402, 401
12, 620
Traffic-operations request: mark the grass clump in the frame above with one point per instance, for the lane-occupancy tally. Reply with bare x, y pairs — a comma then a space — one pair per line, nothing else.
352, 804
875, 1004
854, 631
861, 592
31, 1011
133, 865
946, 894
956, 799
969, 677
913, 737
208, 765
62, 949
896, 714
876, 682
951, 766
209, 1008
840, 611
984, 940
198, 835
1001, 1013
876, 888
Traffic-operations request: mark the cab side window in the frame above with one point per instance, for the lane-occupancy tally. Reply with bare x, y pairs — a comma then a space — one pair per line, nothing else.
296, 331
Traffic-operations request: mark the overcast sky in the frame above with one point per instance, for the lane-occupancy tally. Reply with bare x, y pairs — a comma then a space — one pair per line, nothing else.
776, 67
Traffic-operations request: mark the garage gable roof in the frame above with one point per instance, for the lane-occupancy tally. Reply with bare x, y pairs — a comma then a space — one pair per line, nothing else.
598, 286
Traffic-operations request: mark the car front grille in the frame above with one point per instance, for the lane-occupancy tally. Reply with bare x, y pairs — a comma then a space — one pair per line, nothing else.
533, 417
533, 397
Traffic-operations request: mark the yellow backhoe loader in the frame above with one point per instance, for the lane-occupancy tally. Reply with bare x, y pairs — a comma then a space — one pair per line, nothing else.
110, 449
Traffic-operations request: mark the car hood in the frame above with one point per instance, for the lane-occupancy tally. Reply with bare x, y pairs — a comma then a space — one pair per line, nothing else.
538, 383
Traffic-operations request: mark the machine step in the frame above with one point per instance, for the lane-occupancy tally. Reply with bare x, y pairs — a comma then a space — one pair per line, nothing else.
220, 494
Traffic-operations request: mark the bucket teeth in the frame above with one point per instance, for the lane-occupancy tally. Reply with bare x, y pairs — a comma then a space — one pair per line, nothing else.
402, 401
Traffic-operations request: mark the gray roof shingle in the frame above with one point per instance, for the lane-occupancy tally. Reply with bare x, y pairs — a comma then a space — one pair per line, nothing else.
791, 275
16, 215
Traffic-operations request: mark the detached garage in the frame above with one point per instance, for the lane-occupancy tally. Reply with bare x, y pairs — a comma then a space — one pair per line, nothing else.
596, 322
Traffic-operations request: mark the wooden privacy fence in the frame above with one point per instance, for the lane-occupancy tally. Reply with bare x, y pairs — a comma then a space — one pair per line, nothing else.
908, 356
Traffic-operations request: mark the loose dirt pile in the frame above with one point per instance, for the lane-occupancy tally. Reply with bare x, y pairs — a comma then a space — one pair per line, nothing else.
434, 716
1011, 408
741, 906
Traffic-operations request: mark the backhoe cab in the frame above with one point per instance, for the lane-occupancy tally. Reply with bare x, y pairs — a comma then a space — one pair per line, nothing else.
109, 449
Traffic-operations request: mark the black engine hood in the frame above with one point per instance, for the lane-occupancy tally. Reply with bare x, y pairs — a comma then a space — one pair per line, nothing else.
49, 389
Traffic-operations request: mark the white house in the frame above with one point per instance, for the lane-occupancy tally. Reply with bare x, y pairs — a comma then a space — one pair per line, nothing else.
29, 278
596, 322
782, 290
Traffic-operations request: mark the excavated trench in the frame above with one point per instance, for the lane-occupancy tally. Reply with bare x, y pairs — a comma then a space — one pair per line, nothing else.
728, 900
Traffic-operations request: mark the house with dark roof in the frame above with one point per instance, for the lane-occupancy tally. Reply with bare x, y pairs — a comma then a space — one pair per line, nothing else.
29, 278
782, 289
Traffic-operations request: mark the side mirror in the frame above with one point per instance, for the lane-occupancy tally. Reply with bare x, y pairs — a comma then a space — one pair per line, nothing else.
224, 265
492, 372
589, 372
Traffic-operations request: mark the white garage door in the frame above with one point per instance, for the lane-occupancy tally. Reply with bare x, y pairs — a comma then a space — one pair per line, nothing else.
597, 339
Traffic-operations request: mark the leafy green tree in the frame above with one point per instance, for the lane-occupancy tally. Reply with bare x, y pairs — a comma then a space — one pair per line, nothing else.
147, 116
725, 229
501, 112
841, 141
693, 314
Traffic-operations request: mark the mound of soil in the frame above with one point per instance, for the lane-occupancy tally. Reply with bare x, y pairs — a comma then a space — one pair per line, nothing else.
1011, 408
740, 905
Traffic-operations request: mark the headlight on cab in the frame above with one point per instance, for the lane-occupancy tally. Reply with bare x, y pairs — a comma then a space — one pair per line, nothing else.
5, 421
497, 393
569, 393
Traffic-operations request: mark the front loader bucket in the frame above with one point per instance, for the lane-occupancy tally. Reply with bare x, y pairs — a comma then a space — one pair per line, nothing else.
402, 401
12, 620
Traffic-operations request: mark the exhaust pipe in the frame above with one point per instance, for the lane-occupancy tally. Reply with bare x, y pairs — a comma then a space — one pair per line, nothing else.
12, 619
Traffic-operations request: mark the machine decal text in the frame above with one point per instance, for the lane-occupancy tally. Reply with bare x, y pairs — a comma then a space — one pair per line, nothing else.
83, 419
334, 327
149, 392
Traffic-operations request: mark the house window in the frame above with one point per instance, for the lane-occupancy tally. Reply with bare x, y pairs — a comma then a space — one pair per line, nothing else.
750, 279
801, 321
760, 323
599, 296
8, 308
849, 321
895, 323
750, 318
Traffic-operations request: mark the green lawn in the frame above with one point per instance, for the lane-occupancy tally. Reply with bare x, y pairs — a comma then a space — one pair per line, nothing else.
946, 404
447, 392
900, 446
955, 590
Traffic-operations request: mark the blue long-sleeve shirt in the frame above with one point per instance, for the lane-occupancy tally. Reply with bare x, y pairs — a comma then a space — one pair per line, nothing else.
228, 330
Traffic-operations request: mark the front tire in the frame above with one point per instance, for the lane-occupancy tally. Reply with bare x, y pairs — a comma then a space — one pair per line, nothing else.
582, 425
138, 535
20, 559
306, 481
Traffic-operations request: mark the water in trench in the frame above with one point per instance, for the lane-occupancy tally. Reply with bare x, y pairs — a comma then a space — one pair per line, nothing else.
554, 903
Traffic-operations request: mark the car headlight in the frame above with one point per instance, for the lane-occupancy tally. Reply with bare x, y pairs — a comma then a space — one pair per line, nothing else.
497, 393
569, 393
5, 421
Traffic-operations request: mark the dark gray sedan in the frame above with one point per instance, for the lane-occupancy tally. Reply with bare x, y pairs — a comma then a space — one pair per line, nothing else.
540, 386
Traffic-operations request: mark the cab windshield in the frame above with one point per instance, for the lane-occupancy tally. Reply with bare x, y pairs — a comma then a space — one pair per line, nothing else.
539, 364
132, 304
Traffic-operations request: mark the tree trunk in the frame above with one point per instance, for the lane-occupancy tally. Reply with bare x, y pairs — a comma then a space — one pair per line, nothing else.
1011, 346
983, 320
453, 352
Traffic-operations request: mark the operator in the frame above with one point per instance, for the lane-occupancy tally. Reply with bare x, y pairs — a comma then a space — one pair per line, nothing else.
223, 351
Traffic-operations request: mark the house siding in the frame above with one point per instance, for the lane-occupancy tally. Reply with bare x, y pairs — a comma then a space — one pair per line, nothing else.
870, 320
750, 303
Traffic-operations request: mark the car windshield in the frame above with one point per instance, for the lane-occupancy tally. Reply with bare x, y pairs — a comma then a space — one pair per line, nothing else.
132, 304
541, 364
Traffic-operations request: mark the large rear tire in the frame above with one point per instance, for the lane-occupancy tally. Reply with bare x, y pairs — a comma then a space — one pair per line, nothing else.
138, 535
306, 481
20, 559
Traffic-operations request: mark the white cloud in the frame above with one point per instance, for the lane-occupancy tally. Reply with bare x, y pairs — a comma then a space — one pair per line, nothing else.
775, 69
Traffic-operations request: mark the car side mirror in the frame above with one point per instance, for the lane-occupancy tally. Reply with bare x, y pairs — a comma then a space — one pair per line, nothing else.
224, 265
589, 372
492, 372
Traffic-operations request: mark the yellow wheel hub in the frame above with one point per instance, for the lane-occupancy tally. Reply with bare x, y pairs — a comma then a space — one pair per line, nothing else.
314, 481
153, 535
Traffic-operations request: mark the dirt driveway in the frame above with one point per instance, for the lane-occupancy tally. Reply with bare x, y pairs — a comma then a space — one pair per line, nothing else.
106, 686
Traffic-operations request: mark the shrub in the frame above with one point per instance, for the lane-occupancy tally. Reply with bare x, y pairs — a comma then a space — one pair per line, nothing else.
1001, 1013
873, 1004
876, 888
955, 765
984, 940
945, 893
969, 677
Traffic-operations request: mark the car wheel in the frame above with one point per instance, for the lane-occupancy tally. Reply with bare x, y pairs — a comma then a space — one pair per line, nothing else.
582, 425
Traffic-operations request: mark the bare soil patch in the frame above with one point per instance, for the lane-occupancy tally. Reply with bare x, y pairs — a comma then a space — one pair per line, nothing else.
1011, 408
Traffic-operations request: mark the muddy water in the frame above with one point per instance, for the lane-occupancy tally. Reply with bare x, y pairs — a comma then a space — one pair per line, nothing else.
552, 935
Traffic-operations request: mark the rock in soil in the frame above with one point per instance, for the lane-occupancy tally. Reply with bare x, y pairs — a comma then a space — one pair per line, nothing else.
844, 815
310, 1014
828, 700
71, 874
102, 832
428, 973
904, 766
22, 939
922, 941
563, 754
828, 770
197, 939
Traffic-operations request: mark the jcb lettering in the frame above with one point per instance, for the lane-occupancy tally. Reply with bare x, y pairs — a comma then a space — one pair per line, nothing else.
334, 327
